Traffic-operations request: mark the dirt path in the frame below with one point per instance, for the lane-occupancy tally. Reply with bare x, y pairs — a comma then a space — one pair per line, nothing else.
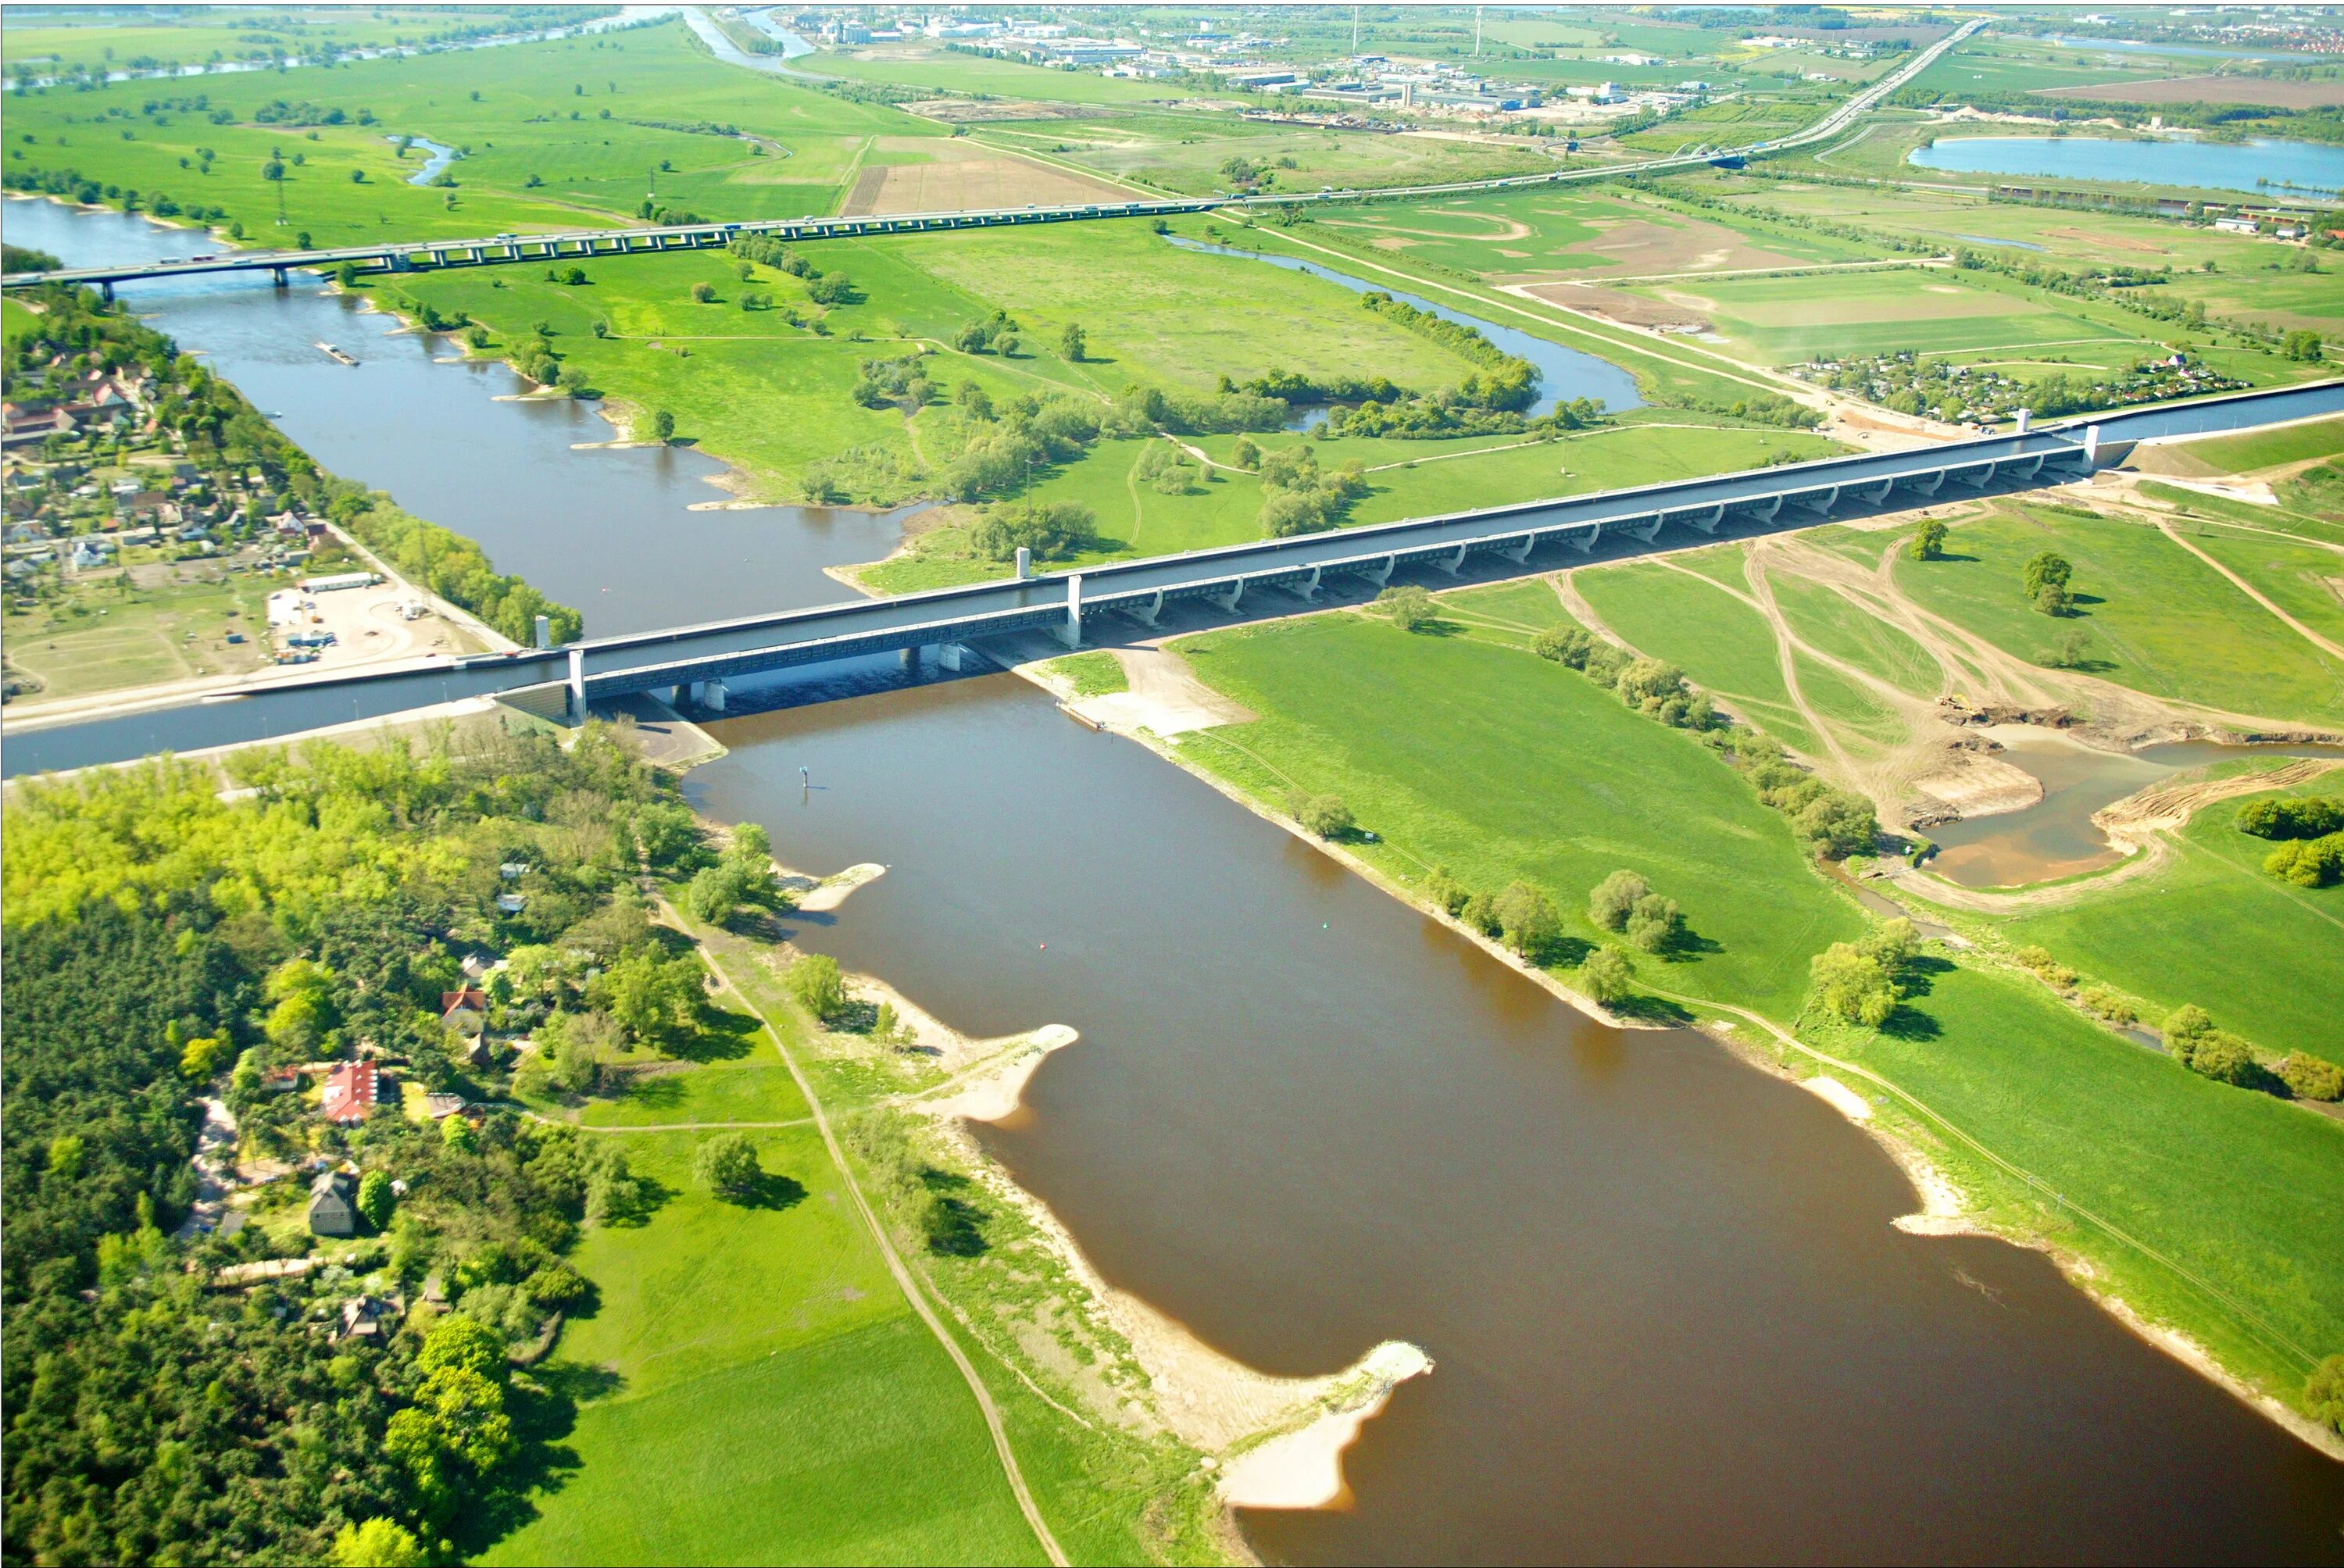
2251, 592
902, 1275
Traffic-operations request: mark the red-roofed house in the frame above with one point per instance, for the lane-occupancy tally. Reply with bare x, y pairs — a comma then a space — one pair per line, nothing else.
466, 1010
350, 1093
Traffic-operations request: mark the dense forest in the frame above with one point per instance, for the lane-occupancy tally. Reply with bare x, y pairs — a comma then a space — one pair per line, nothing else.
173, 937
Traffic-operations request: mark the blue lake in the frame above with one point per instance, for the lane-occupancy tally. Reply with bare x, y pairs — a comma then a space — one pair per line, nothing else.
2267, 166
1563, 373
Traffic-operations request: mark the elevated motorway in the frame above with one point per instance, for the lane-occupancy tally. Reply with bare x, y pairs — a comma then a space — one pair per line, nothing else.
1267, 578
586, 244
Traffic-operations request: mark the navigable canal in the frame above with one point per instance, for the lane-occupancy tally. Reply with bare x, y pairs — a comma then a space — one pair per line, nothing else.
1669, 1315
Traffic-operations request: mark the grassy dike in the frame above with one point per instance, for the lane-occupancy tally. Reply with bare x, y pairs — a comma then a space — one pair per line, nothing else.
757, 1384
2197, 1211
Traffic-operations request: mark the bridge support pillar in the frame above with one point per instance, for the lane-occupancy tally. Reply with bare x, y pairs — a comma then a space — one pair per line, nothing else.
1071, 633
948, 656
1382, 574
677, 696
1453, 562
1153, 607
1521, 552
277, 275
2034, 467
578, 684
1307, 589
1765, 513
1976, 478
2091, 446
1930, 485
1582, 540
1228, 602
713, 695
1706, 521
1829, 497
1874, 495
1646, 531
105, 288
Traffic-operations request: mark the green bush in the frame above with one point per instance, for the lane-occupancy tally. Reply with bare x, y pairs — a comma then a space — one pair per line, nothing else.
2307, 1077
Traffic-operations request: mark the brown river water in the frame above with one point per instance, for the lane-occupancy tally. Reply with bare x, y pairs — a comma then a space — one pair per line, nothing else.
1670, 1316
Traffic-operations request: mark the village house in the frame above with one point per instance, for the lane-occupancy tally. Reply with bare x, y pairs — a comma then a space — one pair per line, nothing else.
367, 1317
351, 1093
466, 1011
334, 1204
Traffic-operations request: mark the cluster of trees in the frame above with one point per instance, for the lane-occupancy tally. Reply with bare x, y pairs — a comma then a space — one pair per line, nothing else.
1324, 815
1004, 448
449, 565
1504, 382
1649, 686
1296, 498
1832, 823
1864, 982
2194, 1041
743, 877
156, 932
1625, 903
1163, 469
1050, 529
899, 382
997, 334
71, 182
2309, 829
1520, 916
2046, 578
821, 288
1928, 541
1411, 609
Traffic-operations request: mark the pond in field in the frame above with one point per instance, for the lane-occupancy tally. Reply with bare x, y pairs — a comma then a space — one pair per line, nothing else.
2056, 837
2268, 165
1563, 373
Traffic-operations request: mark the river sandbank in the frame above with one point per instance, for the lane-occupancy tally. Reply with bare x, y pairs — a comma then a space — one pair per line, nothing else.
1276, 1441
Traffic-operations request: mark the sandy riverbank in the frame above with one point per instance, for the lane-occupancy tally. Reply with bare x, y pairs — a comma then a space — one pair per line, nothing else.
1276, 1441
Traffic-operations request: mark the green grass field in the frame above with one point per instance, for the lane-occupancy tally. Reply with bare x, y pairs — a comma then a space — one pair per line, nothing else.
1186, 153
2228, 1184
1567, 231
593, 122
762, 1366
1791, 320
1723, 643
1466, 751
2214, 928
105, 636
2255, 449
2158, 620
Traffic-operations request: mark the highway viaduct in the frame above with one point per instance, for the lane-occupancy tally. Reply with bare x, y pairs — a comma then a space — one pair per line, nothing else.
1126, 599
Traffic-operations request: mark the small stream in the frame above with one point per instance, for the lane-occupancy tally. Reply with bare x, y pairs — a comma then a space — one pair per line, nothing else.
2056, 837
437, 157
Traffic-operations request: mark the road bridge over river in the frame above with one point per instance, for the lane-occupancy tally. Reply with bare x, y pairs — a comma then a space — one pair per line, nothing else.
1126, 599
381, 256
